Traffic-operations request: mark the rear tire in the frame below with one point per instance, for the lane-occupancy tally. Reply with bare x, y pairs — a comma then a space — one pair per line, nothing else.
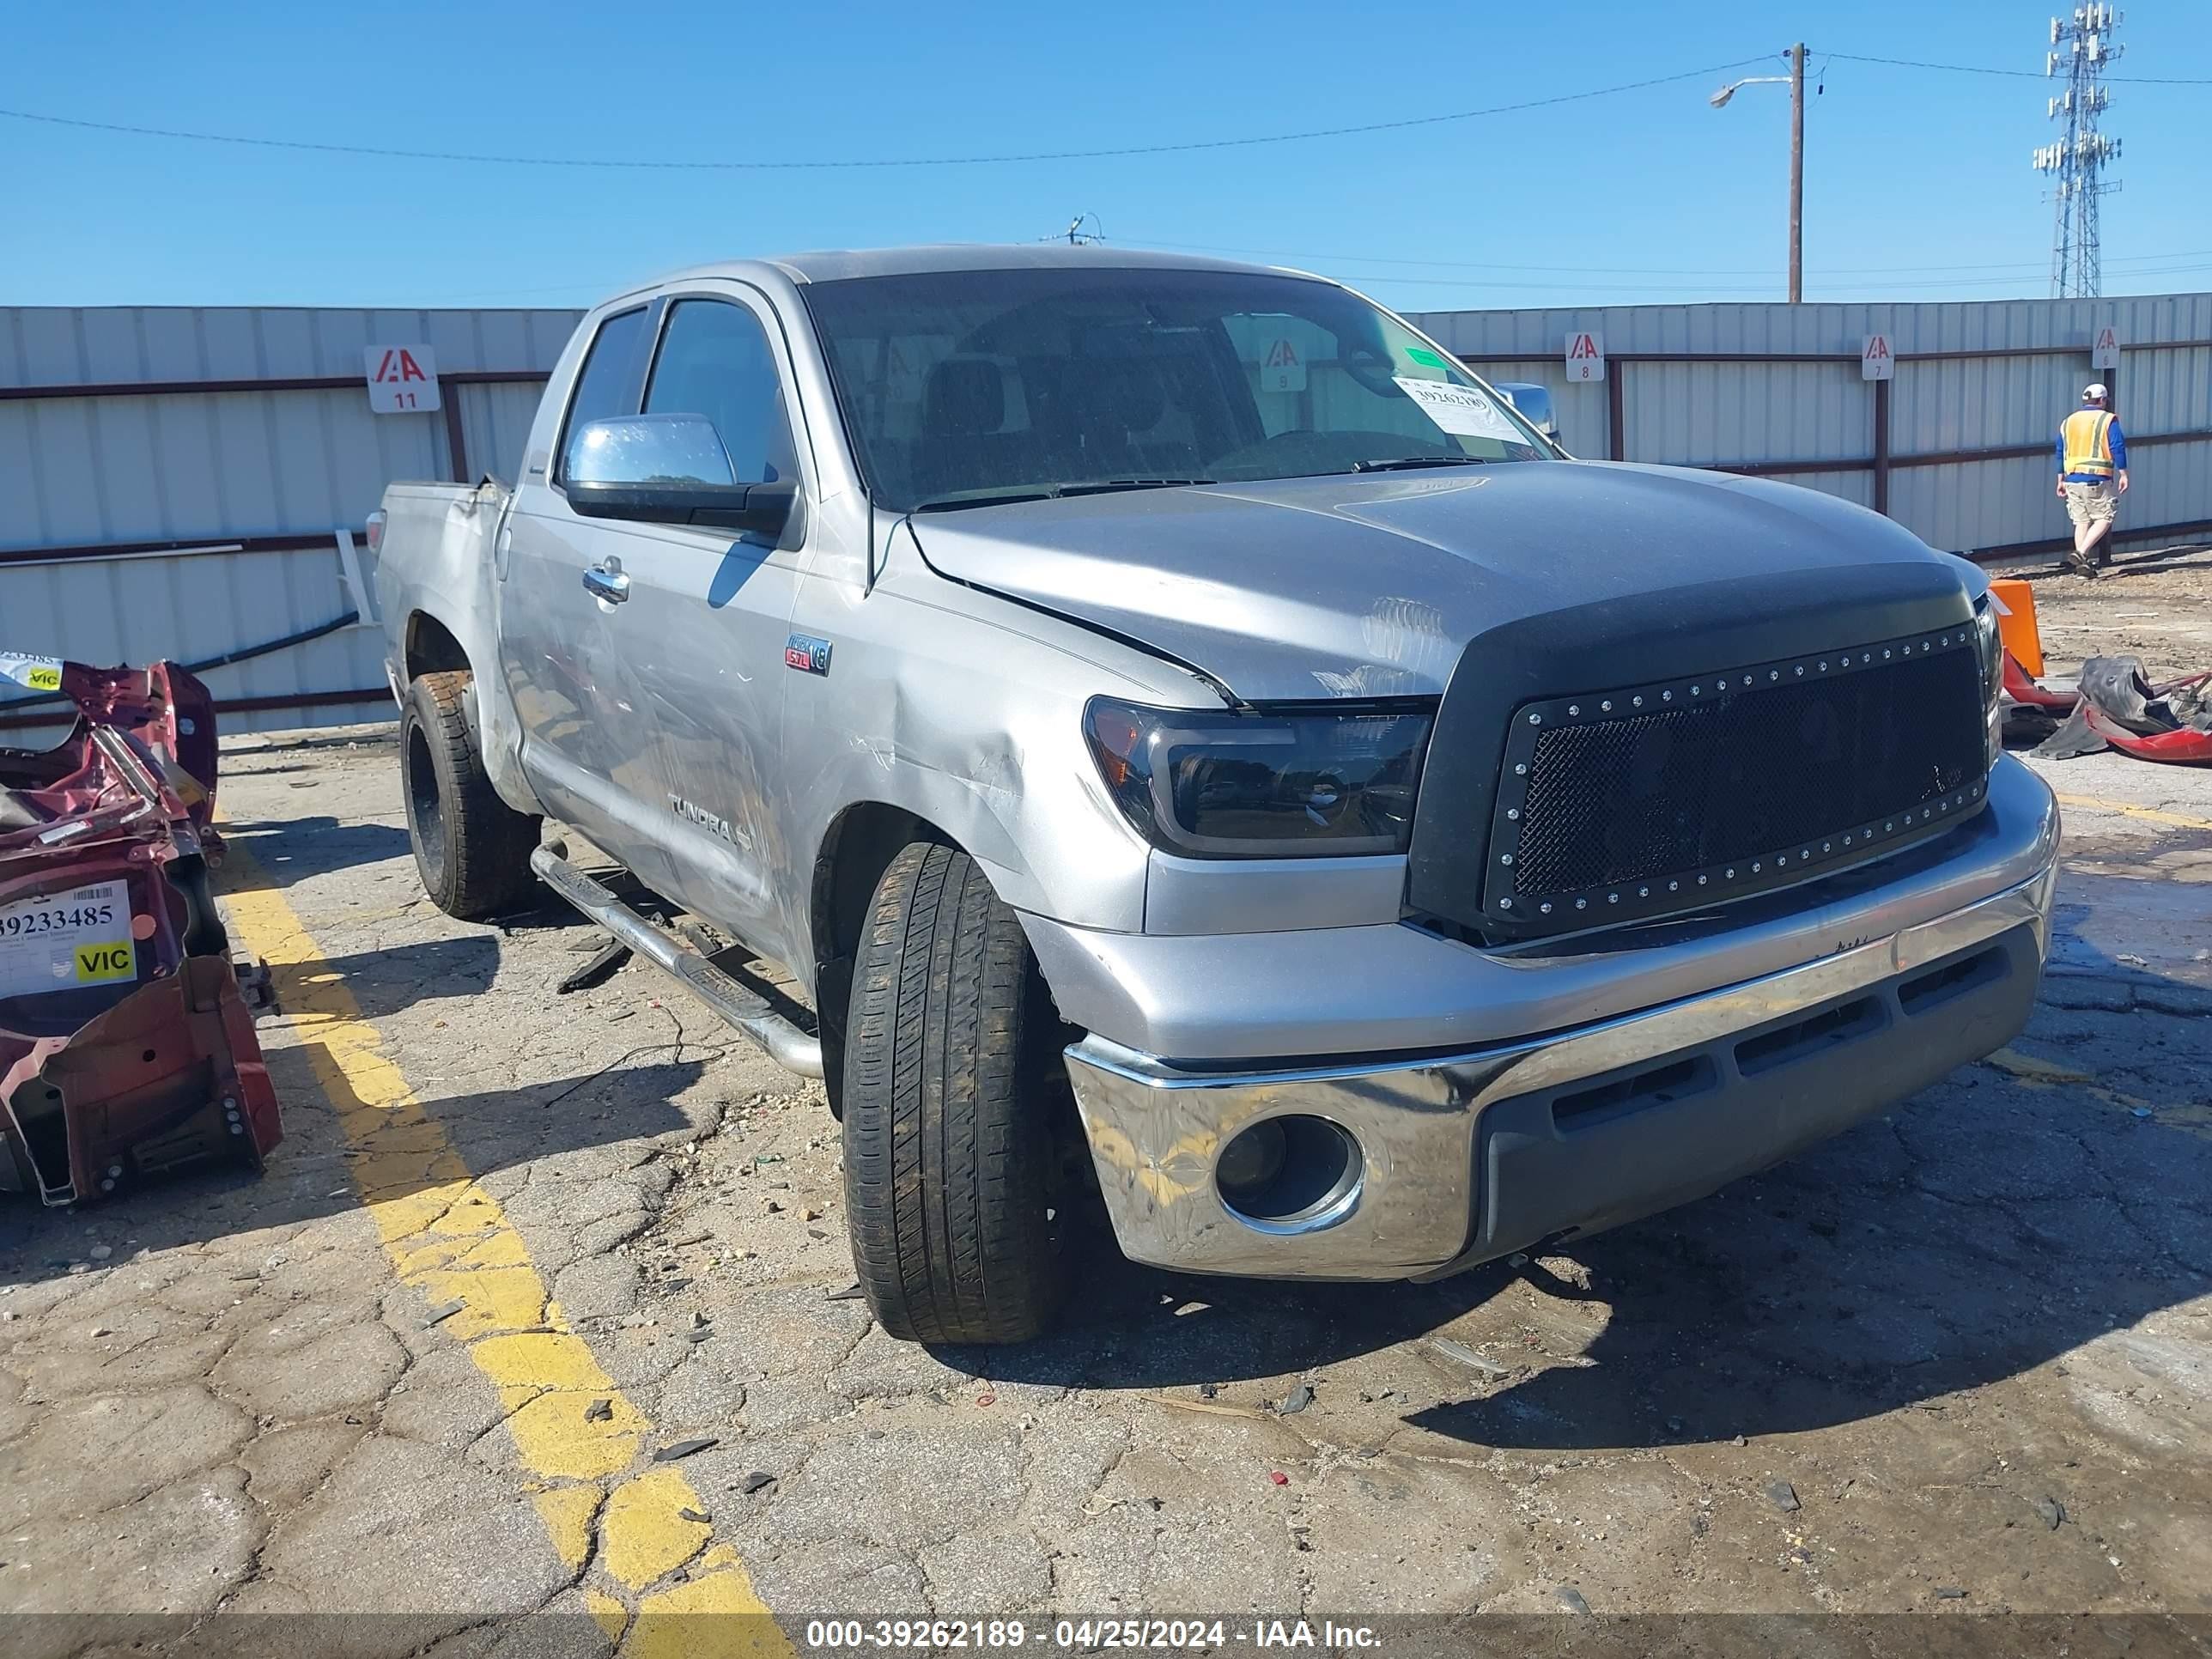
950, 1127
473, 849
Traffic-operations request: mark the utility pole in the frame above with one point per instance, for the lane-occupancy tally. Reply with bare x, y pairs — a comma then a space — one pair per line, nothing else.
2082, 48
1796, 80
1797, 175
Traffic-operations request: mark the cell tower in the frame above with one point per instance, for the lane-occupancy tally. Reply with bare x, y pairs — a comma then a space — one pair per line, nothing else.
2081, 49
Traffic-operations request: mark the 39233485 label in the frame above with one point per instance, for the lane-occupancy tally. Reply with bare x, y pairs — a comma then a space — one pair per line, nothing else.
65, 941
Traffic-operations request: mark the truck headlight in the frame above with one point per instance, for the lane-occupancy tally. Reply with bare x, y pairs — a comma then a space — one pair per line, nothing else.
1279, 783
1989, 646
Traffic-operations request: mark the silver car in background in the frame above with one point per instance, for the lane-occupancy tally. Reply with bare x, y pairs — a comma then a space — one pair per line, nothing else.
1186, 736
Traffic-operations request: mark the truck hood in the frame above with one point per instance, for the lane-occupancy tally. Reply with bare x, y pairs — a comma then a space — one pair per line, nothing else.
1369, 586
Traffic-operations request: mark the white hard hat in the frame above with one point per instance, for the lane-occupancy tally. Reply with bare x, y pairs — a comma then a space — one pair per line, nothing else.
2094, 393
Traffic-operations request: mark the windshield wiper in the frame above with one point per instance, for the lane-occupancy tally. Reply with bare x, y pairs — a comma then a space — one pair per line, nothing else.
1407, 462
1105, 486
953, 500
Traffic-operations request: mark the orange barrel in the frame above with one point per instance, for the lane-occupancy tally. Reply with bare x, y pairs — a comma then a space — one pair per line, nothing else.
2016, 623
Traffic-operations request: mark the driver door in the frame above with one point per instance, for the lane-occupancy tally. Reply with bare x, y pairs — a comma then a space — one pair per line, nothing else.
701, 635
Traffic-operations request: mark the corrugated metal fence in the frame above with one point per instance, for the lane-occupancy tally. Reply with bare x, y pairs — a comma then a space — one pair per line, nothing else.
184, 484
1957, 446
187, 483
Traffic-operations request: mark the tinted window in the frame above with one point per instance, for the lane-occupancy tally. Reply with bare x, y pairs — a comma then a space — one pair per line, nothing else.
604, 389
977, 382
715, 361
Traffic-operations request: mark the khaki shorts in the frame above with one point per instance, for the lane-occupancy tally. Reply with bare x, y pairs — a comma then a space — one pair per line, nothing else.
2091, 503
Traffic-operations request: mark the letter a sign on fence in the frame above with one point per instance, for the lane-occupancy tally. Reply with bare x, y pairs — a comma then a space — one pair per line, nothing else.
2104, 349
1281, 369
1586, 357
403, 379
1876, 361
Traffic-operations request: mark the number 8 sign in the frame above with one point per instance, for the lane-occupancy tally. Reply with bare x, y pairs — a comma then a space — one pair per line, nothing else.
1586, 357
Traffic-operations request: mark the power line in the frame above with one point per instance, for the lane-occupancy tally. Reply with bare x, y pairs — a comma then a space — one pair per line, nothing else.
1917, 284
875, 161
2032, 74
1115, 152
1330, 262
1760, 290
594, 289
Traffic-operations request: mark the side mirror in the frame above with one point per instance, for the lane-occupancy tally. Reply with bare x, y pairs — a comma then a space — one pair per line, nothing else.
669, 469
1534, 402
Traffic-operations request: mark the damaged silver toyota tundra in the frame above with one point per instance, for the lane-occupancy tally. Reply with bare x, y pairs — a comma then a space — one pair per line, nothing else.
1188, 738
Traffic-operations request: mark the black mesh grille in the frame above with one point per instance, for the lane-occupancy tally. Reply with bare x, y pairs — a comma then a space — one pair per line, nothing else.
1751, 772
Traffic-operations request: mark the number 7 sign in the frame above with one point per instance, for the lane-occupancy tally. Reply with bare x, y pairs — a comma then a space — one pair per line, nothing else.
403, 379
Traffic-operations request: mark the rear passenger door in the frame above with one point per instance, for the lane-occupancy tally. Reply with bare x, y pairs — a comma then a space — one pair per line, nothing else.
559, 658
702, 634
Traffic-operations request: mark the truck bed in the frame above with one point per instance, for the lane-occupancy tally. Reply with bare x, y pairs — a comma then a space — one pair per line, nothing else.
436, 589
429, 524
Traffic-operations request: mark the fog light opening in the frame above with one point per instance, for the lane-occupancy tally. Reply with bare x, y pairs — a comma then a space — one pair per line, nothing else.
1292, 1174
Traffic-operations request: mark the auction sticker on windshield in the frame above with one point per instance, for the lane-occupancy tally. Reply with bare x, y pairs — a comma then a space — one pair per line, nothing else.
1460, 410
66, 941
40, 673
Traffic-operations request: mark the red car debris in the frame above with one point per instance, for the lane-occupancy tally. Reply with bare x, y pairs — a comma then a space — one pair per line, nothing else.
2022, 687
2118, 706
127, 1046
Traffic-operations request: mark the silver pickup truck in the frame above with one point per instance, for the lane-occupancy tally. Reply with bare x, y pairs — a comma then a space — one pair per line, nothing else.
1196, 746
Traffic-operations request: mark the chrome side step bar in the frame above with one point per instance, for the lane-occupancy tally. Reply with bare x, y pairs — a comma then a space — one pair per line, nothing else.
783, 1042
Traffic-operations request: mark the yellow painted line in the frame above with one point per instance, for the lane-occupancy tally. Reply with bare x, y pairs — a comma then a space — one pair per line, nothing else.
2148, 814
448, 1238
2049, 1074
2044, 1073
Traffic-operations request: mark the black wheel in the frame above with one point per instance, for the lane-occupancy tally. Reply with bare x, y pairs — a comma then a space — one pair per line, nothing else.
473, 849
951, 1116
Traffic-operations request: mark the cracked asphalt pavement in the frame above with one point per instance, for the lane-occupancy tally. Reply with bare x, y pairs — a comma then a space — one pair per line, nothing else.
519, 1251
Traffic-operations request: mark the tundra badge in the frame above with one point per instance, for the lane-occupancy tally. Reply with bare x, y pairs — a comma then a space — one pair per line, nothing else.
713, 823
806, 653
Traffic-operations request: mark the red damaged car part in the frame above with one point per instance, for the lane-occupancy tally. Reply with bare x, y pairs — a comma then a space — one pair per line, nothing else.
2025, 690
127, 1046
2121, 708
2182, 746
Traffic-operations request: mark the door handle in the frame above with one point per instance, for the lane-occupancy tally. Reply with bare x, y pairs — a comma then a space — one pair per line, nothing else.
607, 581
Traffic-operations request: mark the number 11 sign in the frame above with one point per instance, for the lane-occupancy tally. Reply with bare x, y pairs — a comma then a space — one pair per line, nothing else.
403, 379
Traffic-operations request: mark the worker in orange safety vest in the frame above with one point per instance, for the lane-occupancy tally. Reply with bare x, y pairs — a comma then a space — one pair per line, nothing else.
2093, 474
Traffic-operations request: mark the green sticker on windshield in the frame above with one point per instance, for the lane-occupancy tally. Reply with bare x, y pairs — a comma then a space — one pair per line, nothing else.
1425, 357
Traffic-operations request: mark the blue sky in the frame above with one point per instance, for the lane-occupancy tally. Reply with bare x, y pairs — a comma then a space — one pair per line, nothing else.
1917, 183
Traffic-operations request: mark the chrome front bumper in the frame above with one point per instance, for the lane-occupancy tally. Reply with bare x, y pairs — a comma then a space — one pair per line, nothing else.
1494, 1147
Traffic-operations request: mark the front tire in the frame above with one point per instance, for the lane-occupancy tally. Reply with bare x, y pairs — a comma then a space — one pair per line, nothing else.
949, 1139
473, 849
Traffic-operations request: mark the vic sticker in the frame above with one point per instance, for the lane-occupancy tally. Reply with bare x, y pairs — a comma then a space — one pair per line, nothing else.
39, 673
99, 963
66, 941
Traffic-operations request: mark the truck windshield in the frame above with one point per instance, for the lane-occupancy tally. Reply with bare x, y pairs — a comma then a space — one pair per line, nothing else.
970, 386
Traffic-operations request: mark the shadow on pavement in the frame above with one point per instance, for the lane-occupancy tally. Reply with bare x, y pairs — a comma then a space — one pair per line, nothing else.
313, 1175
296, 849
384, 982
2151, 560
1995, 1223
